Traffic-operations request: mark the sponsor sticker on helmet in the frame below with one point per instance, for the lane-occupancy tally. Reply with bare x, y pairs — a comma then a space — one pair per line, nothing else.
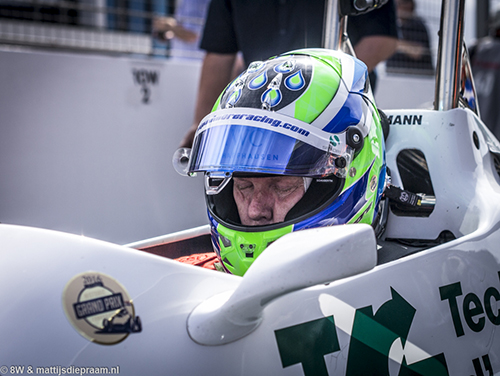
373, 183
100, 308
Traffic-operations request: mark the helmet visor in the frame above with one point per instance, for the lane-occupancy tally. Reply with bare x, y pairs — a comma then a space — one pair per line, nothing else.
259, 141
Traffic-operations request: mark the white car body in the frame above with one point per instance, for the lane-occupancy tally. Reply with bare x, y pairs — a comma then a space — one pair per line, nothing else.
436, 311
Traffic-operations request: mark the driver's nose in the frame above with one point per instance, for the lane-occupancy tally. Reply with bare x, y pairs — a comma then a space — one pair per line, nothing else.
260, 209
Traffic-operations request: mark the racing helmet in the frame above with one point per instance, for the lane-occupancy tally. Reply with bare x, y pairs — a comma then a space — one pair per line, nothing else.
308, 113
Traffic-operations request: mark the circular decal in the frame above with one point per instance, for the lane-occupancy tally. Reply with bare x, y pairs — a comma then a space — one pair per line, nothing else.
404, 197
100, 308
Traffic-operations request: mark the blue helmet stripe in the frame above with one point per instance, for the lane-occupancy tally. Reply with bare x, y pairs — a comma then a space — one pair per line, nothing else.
342, 209
360, 77
350, 114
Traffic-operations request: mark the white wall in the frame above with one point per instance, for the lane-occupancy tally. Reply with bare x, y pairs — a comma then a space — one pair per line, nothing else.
81, 152
397, 91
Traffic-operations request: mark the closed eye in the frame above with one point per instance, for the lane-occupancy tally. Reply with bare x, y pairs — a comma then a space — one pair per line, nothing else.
243, 186
286, 190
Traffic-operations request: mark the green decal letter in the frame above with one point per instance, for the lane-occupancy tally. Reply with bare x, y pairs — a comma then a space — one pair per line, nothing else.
492, 293
435, 366
472, 308
450, 292
373, 335
307, 344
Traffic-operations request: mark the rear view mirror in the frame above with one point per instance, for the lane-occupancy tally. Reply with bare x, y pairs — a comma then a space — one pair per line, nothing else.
296, 261
355, 7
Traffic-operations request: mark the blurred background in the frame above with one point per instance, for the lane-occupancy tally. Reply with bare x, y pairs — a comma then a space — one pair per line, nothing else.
95, 96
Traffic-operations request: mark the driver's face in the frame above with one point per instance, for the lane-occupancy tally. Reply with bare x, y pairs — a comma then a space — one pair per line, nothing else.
263, 201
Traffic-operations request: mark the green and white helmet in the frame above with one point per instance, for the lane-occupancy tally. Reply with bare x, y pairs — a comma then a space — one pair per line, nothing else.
307, 113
